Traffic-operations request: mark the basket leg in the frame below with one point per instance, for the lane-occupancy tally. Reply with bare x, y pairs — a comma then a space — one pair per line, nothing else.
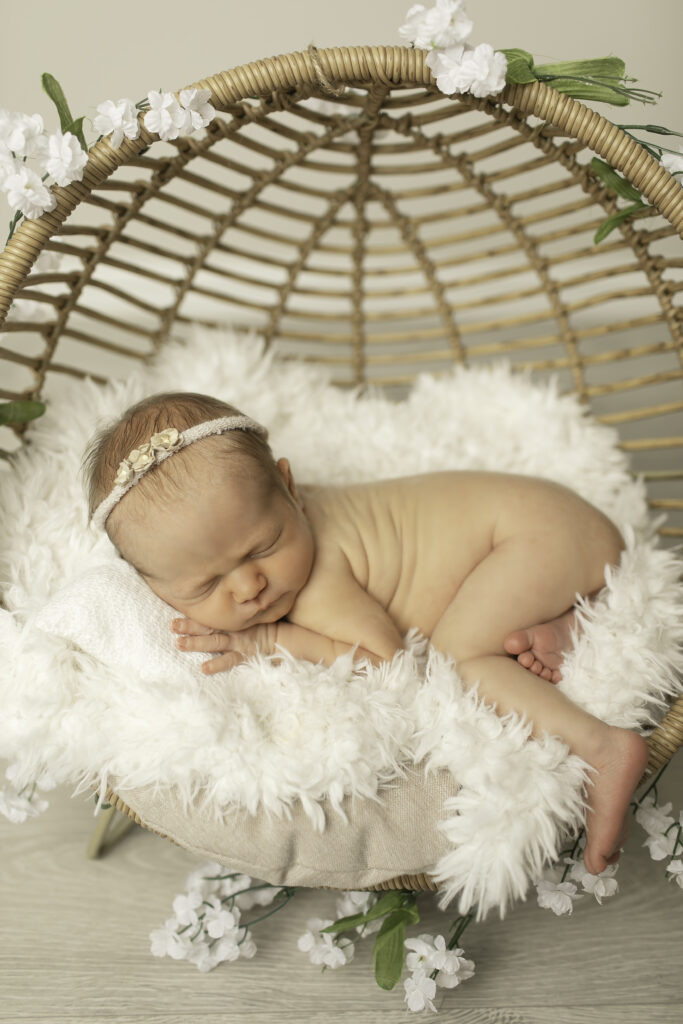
104, 837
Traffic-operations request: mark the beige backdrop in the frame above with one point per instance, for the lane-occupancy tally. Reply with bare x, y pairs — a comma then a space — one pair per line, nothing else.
106, 51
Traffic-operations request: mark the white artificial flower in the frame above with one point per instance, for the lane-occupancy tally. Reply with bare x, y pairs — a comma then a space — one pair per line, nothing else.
217, 920
18, 807
420, 990
479, 71
557, 896
118, 120
185, 907
47, 262
359, 903
443, 25
65, 158
8, 165
673, 162
27, 194
141, 458
601, 886
24, 134
322, 949
167, 942
662, 845
166, 117
206, 878
430, 953
654, 819
675, 869
166, 440
28, 310
195, 101
124, 474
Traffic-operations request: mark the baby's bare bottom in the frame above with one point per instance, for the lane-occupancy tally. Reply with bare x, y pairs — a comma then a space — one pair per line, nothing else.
533, 574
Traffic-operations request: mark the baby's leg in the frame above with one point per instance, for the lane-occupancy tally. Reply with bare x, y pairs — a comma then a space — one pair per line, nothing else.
529, 577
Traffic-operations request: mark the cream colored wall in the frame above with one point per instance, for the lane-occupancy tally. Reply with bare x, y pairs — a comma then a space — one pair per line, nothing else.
125, 48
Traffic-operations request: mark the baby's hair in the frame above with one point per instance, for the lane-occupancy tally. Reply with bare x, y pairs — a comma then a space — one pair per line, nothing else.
182, 409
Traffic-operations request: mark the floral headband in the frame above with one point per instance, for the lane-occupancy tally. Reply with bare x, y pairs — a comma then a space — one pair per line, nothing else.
159, 447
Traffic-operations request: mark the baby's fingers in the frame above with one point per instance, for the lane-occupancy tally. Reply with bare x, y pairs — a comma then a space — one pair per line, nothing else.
222, 663
208, 644
191, 627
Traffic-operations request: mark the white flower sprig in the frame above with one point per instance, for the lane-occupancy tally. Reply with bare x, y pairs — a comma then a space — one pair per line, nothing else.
59, 158
458, 67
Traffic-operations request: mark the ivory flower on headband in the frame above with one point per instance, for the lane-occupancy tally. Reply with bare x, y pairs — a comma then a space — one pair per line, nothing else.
140, 459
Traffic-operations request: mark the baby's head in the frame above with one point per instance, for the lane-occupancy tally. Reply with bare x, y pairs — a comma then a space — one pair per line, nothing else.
217, 529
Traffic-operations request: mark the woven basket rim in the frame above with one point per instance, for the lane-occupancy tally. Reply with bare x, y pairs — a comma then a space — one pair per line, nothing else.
367, 65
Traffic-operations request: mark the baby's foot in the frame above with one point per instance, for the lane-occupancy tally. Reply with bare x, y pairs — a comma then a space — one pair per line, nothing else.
620, 763
541, 648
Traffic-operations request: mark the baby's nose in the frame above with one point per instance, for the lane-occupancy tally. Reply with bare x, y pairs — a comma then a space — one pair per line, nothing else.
248, 588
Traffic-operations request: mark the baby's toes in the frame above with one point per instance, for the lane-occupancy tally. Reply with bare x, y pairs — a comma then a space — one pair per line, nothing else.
526, 659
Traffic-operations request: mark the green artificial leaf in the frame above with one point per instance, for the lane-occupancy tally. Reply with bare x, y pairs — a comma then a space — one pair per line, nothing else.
345, 924
656, 129
610, 68
76, 128
395, 900
615, 181
20, 411
520, 67
390, 951
66, 120
615, 220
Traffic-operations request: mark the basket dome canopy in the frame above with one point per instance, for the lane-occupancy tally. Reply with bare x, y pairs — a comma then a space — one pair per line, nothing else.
354, 215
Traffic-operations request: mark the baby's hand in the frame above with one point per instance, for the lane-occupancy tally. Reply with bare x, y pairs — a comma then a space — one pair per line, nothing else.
231, 648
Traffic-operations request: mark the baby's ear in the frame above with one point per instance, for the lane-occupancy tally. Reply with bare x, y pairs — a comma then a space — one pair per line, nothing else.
288, 478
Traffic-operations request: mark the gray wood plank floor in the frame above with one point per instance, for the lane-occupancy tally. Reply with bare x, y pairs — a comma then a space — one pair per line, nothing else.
74, 945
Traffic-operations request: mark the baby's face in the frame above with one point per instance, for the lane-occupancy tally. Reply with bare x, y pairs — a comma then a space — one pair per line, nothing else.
235, 553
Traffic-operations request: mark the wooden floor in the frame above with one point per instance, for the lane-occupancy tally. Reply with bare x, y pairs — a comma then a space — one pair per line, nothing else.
74, 945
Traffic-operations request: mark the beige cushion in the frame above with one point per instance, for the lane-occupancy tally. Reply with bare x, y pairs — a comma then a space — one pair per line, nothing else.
396, 836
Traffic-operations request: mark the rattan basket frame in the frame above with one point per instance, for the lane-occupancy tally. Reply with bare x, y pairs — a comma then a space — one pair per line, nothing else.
539, 116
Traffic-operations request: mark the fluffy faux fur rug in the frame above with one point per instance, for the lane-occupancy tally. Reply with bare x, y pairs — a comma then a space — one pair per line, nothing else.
265, 735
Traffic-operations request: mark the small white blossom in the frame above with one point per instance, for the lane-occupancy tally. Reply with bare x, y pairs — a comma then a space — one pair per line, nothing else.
673, 162
23, 134
195, 102
166, 117
359, 903
118, 120
430, 953
18, 807
323, 949
479, 71
166, 440
167, 942
65, 158
557, 896
654, 819
28, 310
217, 920
185, 907
420, 990
27, 194
675, 869
47, 262
662, 845
443, 25
601, 886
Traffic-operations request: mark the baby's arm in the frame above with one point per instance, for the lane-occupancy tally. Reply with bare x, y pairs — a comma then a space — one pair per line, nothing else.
232, 648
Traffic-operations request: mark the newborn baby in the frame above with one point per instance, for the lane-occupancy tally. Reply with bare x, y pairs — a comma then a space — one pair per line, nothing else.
487, 565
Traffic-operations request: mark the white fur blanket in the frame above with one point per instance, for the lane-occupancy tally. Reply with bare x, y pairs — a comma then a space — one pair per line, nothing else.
265, 735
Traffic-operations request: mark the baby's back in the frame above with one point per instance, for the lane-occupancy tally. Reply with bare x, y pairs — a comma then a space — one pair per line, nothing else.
410, 542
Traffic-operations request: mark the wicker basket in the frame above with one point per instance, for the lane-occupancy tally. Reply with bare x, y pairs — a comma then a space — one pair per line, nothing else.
357, 217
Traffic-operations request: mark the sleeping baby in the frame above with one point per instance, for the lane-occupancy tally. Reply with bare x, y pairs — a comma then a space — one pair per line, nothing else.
487, 565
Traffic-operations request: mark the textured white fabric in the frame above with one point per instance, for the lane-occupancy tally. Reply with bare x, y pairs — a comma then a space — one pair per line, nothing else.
110, 612
105, 705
